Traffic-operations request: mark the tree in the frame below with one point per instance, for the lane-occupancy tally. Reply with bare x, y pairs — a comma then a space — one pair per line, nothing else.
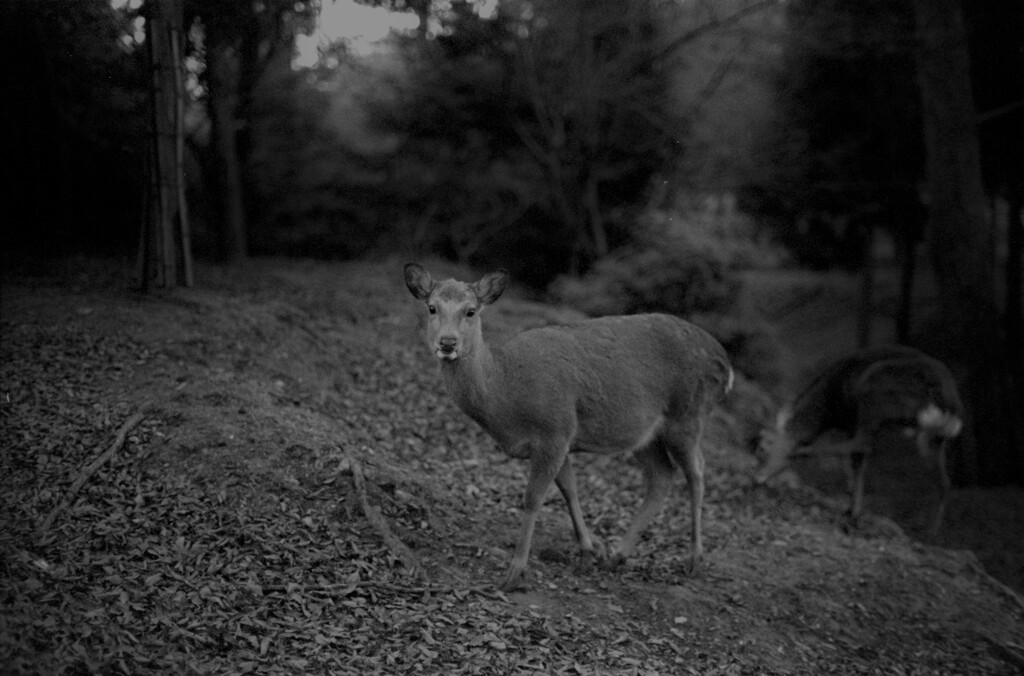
539, 127
165, 254
240, 39
862, 82
74, 128
847, 151
597, 114
845, 157
962, 246
996, 33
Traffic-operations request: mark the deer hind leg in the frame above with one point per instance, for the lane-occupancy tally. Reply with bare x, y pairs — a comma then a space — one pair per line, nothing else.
683, 442
658, 471
566, 482
545, 464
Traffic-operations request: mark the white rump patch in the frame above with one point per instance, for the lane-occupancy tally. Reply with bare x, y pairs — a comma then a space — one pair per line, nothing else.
934, 419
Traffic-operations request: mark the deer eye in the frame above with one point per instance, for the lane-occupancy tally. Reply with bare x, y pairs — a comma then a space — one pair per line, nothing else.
431, 309
470, 312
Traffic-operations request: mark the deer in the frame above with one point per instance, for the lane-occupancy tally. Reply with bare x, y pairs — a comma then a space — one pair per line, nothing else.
860, 396
641, 384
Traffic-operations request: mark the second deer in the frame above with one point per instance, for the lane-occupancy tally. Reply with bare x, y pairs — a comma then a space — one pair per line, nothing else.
860, 396
643, 383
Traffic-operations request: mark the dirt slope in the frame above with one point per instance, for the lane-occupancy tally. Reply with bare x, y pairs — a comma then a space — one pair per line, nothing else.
227, 535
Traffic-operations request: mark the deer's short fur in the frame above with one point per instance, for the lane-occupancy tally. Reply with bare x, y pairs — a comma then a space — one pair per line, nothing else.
641, 383
859, 396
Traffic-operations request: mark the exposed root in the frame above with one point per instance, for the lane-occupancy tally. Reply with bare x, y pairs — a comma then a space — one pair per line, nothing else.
377, 520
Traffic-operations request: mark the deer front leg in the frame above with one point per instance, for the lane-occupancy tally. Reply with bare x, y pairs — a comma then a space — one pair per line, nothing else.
944, 483
857, 449
860, 450
544, 466
566, 482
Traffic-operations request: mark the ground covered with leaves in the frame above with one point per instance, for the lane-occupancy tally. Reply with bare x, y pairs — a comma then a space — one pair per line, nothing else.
263, 475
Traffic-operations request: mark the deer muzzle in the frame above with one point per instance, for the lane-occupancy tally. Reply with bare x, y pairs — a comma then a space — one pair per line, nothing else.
447, 347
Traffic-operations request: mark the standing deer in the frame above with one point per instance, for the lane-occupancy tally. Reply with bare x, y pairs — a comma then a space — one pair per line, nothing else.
641, 383
860, 396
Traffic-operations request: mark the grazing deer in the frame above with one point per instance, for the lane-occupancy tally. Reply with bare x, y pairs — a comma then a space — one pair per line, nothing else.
859, 396
641, 383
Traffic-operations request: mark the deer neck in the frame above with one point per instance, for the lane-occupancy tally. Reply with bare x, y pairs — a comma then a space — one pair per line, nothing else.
470, 380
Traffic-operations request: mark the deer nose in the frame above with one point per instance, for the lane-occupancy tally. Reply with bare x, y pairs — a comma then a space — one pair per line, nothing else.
447, 343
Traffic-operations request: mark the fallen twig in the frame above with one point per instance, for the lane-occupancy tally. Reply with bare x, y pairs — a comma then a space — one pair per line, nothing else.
376, 519
84, 475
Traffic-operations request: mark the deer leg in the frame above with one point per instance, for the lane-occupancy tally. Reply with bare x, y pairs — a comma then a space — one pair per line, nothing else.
944, 483
566, 482
543, 469
658, 470
859, 463
684, 444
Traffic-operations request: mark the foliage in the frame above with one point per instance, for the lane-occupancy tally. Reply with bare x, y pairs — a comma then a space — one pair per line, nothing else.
725, 81
313, 191
753, 347
75, 124
526, 130
846, 146
665, 271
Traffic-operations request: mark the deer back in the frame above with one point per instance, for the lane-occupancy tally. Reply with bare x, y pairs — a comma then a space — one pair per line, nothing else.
616, 377
830, 400
899, 389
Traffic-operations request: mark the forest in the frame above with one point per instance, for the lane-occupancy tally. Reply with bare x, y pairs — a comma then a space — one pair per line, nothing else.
227, 449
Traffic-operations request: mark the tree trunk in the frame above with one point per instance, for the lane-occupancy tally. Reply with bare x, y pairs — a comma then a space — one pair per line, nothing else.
908, 264
184, 232
866, 312
224, 74
961, 242
598, 233
164, 249
1015, 284
909, 222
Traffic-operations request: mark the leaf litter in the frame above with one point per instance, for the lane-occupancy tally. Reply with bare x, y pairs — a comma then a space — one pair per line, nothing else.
281, 404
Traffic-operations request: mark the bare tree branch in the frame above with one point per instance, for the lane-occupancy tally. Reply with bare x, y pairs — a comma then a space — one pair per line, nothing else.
711, 26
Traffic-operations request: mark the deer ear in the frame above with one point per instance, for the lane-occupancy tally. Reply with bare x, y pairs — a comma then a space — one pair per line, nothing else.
418, 280
490, 286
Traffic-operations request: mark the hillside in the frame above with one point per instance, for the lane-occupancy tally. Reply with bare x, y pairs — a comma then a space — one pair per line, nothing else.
283, 419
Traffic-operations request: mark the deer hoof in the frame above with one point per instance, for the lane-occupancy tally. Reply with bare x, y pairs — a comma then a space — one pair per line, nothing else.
598, 554
854, 523
694, 567
514, 581
614, 560
586, 561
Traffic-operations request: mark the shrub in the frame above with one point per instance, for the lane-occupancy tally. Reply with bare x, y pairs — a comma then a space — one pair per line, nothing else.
666, 273
753, 347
